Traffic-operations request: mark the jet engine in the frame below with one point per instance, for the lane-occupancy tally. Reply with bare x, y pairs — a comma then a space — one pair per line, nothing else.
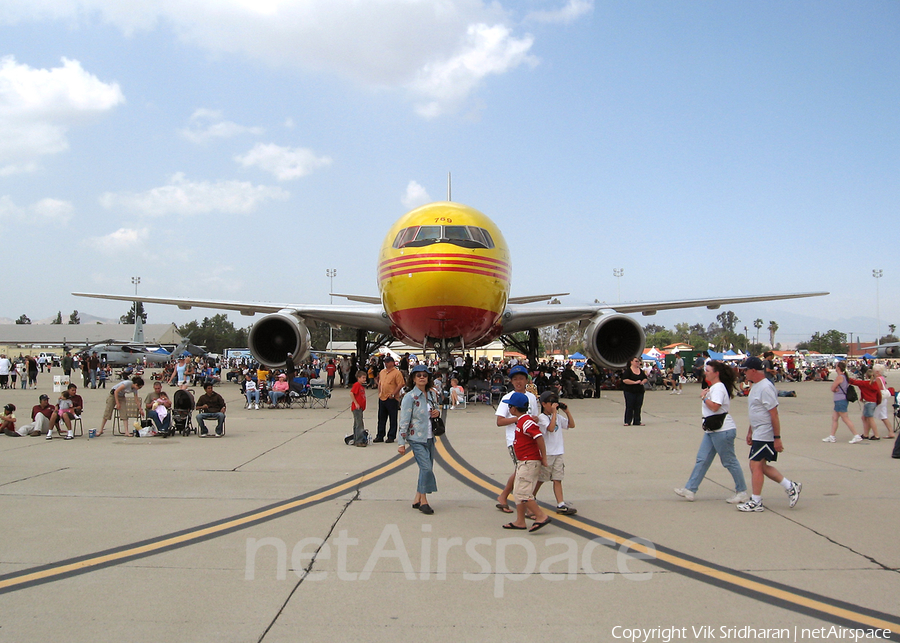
888, 351
611, 340
274, 336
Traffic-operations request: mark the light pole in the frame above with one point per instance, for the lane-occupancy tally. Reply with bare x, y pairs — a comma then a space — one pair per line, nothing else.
331, 273
135, 281
878, 274
746, 340
617, 273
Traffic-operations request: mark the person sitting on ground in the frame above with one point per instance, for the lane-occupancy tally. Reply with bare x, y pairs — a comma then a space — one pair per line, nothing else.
278, 391
211, 406
40, 415
8, 420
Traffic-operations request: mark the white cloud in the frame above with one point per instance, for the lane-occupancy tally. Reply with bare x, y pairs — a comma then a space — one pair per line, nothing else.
415, 196
206, 124
285, 163
429, 47
184, 197
488, 50
47, 210
568, 14
53, 209
122, 240
38, 106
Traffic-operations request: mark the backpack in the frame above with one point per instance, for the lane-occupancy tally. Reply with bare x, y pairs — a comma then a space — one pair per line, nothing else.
851, 393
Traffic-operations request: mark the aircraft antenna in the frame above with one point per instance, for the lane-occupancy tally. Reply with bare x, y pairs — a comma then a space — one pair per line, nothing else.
448, 187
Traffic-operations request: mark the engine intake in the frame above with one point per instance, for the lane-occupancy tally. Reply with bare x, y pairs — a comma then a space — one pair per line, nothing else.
888, 351
274, 336
612, 340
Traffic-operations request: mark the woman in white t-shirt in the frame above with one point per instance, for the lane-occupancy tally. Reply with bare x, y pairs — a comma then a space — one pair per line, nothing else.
719, 432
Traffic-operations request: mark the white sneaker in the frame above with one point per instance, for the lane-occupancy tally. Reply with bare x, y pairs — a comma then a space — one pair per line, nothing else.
687, 494
751, 505
673, 393
856, 439
738, 498
247, 406
794, 493
256, 407
830, 438
679, 391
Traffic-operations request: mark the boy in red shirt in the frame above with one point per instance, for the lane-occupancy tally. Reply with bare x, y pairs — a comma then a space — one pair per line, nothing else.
531, 453
357, 406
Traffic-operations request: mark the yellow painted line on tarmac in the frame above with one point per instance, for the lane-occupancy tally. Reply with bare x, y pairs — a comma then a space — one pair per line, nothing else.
675, 560
203, 532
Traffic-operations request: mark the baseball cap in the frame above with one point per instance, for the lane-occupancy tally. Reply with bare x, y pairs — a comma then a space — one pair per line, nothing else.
518, 400
549, 397
518, 369
419, 368
388, 358
43, 397
753, 363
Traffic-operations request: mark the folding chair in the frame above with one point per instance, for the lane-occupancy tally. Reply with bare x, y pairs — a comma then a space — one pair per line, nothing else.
318, 396
77, 427
121, 416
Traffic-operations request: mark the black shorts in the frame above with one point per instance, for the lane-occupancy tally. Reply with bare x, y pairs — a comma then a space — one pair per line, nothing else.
763, 451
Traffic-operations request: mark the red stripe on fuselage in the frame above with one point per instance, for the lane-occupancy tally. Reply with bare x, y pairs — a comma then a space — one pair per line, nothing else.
448, 266
442, 255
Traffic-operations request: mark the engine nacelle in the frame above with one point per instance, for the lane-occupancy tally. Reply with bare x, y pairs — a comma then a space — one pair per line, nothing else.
611, 340
888, 351
274, 336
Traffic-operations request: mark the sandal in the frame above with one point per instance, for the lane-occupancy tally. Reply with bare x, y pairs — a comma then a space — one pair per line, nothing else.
538, 525
504, 508
510, 525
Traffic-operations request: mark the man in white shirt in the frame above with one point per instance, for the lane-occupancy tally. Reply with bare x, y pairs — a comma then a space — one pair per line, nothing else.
764, 437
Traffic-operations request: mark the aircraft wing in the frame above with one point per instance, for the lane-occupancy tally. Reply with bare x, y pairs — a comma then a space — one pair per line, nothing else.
524, 317
367, 317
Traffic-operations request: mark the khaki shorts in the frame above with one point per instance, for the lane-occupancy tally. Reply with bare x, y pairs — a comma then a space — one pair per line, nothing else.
110, 405
527, 472
555, 469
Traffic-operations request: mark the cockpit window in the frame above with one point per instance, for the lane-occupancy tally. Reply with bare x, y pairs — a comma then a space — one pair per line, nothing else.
464, 236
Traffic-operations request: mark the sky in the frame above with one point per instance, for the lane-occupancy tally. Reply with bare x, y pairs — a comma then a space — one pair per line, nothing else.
236, 150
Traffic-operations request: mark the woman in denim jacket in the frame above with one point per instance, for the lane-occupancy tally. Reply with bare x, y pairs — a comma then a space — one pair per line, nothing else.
419, 405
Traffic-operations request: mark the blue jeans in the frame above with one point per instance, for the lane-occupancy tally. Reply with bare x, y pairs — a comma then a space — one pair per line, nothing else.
219, 417
161, 427
424, 455
251, 396
275, 396
721, 442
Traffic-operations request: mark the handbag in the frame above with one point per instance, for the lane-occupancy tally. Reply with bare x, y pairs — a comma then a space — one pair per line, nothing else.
714, 422
437, 427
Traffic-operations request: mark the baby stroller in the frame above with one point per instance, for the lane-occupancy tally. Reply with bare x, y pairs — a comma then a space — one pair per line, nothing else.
182, 408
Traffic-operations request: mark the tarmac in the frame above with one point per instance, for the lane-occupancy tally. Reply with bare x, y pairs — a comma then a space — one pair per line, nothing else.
279, 532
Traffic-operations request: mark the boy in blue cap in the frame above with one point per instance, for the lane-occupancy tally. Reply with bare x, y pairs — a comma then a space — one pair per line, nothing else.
531, 454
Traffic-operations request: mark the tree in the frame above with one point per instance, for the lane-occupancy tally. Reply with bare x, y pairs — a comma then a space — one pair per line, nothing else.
773, 326
757, 324
831, 342
23, 319
888, 339
74, 318
216, 333
892, 328
727, 320
58, 319
137, 308
650, 329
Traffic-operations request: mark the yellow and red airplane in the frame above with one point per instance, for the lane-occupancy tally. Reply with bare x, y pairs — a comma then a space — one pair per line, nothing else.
444, 276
